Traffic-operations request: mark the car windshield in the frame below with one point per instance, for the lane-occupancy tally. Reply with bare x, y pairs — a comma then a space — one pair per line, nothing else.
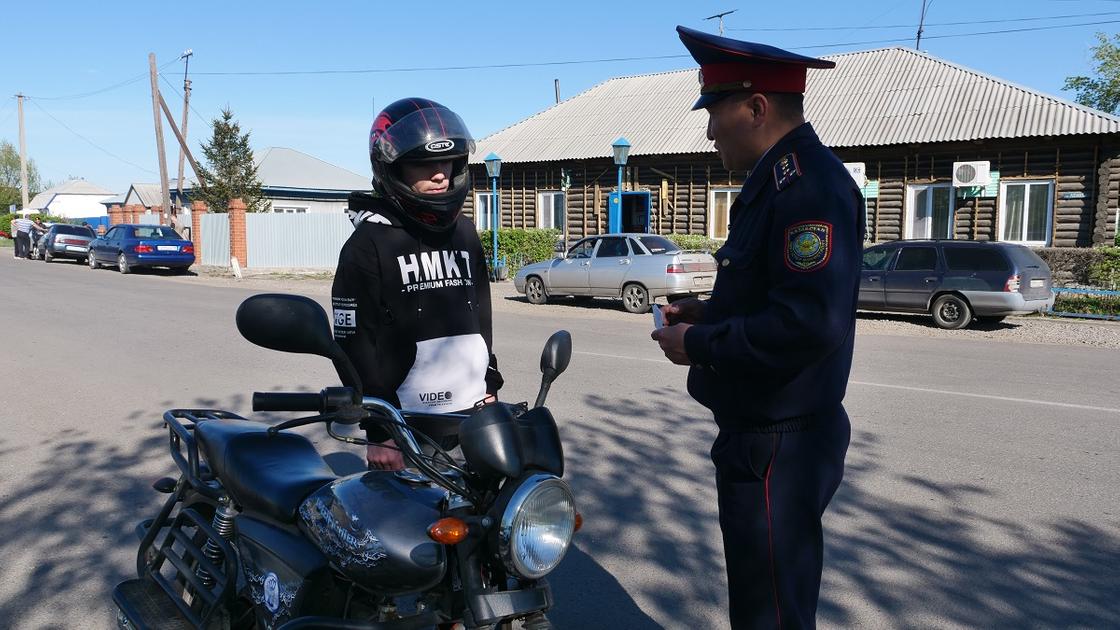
79, 230
157, 233
659, 245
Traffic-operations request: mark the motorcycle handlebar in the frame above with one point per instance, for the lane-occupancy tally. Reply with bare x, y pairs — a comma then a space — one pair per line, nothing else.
277, 401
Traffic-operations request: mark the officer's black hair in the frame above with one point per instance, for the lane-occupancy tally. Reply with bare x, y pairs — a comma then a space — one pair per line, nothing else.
790, 105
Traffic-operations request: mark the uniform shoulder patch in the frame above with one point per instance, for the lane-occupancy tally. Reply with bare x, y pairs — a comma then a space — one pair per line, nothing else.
808, 245
786, 171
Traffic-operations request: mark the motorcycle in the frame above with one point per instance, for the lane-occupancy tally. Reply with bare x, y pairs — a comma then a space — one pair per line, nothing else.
258, 532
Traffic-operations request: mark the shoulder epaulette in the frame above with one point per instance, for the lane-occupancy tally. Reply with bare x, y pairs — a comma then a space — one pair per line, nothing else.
786, 171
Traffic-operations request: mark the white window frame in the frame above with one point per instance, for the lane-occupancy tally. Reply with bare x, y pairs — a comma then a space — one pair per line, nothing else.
482, 199
541, 214
911, 194
731, 193
1003, 184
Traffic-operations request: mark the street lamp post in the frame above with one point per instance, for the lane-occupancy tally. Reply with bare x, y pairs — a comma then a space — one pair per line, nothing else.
621, 148
494, 169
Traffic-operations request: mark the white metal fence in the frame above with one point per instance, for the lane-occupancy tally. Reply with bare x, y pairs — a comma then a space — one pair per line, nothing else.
311, 240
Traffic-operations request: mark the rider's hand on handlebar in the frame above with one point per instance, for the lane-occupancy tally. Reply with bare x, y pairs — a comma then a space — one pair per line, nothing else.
381, 458
687, 311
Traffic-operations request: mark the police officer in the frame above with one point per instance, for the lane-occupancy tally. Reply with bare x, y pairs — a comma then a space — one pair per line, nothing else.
770, 352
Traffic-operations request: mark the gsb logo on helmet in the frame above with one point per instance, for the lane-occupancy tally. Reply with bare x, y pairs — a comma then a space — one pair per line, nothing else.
439, 146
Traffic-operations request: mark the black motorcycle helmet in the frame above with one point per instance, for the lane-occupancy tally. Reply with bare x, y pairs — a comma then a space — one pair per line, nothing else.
417, 129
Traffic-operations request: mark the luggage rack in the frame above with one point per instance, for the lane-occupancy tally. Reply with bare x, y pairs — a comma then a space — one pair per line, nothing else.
181, 424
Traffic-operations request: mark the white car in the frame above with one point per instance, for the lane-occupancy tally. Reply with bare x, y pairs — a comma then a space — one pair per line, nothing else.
635, 267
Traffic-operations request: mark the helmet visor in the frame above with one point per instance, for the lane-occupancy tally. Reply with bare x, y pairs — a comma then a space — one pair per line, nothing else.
426, 134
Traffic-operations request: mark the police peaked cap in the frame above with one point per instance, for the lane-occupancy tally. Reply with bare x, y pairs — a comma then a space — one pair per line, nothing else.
729, 65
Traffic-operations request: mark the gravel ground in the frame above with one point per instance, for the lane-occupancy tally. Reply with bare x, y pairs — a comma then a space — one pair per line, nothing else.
1047, 330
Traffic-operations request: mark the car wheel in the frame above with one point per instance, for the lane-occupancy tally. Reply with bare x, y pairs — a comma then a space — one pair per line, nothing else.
534, 291
47, 256
951, 312
93, 264
122, 263
635, 298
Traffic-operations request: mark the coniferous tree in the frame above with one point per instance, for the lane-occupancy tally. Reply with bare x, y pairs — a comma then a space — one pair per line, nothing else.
229, 171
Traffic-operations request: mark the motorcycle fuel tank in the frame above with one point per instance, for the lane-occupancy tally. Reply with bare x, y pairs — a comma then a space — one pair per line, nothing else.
373, 527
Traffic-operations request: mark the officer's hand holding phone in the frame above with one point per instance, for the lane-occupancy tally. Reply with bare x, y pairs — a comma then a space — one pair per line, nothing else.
688, 311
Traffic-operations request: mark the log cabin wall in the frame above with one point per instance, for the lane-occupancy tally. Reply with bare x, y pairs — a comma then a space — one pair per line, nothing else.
1084, 171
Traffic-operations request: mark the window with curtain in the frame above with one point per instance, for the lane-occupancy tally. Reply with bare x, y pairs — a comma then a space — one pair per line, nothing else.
1025, 209
929, 211
550, 209
719, 215
482, 203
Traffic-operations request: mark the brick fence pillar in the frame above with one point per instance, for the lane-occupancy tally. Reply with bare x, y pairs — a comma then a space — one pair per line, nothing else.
116, 215
198, 208
237, 247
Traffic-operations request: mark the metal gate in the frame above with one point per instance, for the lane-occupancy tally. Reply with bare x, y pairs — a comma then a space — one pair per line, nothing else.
215, 239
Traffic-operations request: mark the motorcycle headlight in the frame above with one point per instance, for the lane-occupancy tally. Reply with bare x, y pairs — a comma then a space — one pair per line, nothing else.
537, 526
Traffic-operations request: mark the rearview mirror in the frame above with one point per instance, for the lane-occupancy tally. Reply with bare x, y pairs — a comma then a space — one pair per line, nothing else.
293, 323
554, 360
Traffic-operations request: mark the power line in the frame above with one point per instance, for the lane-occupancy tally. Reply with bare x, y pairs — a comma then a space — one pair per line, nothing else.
100, 90
907, 39
892, 26
91, 142
440, 68
180, 95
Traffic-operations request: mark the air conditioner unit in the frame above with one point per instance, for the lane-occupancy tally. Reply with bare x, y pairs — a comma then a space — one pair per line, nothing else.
969, 174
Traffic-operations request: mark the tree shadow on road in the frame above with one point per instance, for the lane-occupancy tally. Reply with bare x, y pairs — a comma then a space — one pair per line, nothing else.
955, 566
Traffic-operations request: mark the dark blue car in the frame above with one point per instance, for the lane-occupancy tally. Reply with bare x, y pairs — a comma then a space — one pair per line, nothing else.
128, 246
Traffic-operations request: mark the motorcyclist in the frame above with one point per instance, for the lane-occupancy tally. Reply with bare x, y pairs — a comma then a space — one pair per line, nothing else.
411, 296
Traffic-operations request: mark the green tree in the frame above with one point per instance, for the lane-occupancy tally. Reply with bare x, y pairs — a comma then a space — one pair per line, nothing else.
1101, 91
9, 177
229, 170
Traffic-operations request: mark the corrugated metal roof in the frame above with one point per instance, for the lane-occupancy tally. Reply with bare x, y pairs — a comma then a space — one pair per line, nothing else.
279, 167
877, 97
71, 187
148, 195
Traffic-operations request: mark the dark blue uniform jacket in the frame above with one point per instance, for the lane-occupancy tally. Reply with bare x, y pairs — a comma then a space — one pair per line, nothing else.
775, 343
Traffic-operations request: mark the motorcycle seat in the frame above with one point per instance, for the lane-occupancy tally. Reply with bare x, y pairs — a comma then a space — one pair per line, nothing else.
270, 474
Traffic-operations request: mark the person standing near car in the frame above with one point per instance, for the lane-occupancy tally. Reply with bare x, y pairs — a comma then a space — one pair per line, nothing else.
411, 294
771, 350
21, 228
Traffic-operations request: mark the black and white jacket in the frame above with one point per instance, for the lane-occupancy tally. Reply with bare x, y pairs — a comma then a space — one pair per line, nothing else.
412, 310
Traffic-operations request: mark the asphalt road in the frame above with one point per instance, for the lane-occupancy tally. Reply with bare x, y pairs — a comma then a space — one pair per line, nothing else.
982, 486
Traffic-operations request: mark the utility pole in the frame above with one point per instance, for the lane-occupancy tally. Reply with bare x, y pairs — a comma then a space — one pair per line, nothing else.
556, 84
22, 156
719, 16
186, 105
159, 133
921, 23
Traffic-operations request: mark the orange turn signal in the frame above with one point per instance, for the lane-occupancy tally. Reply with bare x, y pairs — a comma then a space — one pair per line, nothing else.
579, 522
448, 531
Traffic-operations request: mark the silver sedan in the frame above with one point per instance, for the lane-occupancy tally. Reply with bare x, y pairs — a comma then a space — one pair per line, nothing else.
635, 267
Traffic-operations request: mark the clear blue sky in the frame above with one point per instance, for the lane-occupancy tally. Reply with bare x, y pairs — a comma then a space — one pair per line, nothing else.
60, 49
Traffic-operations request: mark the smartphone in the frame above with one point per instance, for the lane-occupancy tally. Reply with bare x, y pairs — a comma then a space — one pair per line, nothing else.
658, 316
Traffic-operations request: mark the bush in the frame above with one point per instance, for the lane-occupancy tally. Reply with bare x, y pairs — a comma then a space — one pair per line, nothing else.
7, 218
1074, 266
695, 242
520, 247
1105, 271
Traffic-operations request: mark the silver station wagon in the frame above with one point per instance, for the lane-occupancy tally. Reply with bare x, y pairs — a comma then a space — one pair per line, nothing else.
635, 267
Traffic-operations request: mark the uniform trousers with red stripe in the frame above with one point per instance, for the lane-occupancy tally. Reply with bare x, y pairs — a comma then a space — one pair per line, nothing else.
773, 489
